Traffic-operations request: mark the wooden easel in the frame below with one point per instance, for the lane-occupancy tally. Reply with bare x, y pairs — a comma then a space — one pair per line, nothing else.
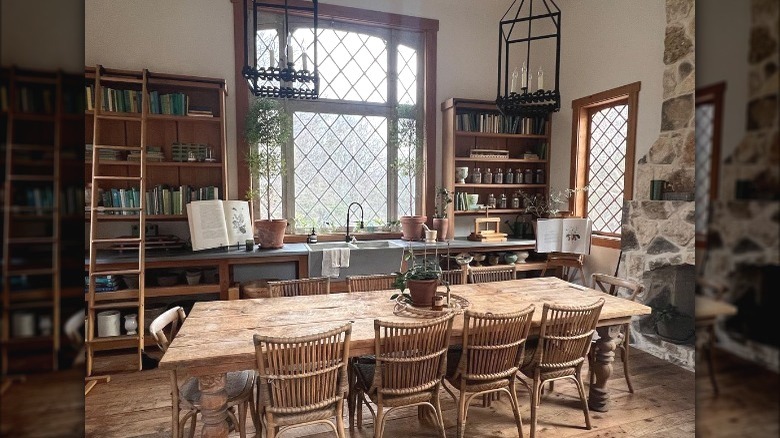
90, 382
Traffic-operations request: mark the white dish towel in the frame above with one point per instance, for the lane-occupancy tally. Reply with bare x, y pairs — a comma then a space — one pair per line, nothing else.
333, 259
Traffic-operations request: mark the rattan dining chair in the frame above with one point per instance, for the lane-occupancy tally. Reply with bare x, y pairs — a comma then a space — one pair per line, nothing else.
492, 351
409, 369
302, 380
569, 264
300, 287
492, 273
367, 283
454, 276
186, 397
562, 348
613, 286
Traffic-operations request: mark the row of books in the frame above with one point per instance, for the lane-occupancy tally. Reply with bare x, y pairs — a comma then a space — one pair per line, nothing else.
35, 100
130, 101
161, 200
41, 199
499, 124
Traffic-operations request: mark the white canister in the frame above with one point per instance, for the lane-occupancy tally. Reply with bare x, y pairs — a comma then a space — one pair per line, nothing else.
108, 323
24, 324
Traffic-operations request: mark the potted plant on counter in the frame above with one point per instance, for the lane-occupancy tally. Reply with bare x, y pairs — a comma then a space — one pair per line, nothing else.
409, 164
440, 221
267, 129
421, 278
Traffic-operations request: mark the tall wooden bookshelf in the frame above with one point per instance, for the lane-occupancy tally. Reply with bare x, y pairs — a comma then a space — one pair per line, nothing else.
469, 124
146, 124
41, 128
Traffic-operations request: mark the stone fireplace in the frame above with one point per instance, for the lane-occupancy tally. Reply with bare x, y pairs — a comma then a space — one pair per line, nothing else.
658, 237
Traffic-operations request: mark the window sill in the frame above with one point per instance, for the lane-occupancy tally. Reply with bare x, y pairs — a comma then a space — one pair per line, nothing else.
606, 241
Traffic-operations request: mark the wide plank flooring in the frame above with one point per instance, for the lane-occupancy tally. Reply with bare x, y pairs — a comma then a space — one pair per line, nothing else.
138, 405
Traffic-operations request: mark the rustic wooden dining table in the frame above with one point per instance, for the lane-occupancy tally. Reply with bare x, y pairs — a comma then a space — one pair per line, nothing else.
216, 337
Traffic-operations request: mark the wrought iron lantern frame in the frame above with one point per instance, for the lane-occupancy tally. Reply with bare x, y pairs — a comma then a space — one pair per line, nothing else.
286, 75
540, 102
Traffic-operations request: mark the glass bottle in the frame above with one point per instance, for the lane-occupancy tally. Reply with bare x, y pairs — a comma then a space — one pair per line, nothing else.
528, 177
509, 178
516, 200
539, 176
498, 177
487, 177
476, 176
518, 176
491, 201
502, 201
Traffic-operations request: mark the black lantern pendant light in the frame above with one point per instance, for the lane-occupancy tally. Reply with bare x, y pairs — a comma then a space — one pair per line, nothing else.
280, 80
533, 21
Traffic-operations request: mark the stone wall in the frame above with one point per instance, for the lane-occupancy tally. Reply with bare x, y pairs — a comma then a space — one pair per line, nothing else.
657, 235
672, 156
757, 158
744, 235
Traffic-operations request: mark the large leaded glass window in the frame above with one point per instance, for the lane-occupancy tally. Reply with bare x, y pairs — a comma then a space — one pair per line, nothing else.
342, 149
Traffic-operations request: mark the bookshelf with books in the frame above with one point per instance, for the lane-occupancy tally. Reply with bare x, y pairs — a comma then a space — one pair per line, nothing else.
154, 142
185, 142
40, 130
476, 136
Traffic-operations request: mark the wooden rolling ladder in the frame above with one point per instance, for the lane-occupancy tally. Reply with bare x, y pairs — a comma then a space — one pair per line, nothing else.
93, 342
41, 297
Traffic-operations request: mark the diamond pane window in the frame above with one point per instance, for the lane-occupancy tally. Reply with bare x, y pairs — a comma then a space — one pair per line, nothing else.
705, 118
407, 75
266, 41
353, 66
607, 158
406, 184
339, 159
341, 149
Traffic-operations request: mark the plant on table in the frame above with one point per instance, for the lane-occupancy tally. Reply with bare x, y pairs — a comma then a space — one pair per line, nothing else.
440, 222
268, 127
421, 278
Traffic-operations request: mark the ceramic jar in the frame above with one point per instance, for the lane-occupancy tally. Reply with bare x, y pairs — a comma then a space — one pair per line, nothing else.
131, 324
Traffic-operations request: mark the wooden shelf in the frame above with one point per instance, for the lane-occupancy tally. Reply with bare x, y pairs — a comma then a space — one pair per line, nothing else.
134, 164
35, 117
151, 292
499, 186
178, 118
499, 160
114, 342
135, 217
491, 211
497, 135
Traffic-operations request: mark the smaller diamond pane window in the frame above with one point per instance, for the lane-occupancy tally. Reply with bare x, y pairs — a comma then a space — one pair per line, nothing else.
705, 118
267, 41
407, 75
608, 128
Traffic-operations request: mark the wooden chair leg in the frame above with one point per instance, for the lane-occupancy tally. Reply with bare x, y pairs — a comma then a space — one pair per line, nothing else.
462, 408
242, 408
625, 365
438, 413
340, 420
534, 405
379, 421
710, 357
513, 400
583, 399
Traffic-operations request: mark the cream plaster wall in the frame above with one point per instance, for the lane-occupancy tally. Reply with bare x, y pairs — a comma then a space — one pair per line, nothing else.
723, 57
42, 36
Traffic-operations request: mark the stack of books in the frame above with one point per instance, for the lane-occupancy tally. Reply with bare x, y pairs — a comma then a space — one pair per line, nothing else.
153, 153
105, 154
103, 283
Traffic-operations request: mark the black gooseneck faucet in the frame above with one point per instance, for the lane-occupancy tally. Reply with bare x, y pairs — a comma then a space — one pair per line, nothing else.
349, 238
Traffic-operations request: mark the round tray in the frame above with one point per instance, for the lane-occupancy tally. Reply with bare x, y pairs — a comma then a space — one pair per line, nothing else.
457, 304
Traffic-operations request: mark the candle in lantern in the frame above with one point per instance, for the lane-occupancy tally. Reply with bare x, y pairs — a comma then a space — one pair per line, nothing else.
272, 59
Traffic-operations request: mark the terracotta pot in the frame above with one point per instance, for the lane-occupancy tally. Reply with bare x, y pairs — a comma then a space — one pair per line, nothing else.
412, 227
270, 233
422, 292
442, 225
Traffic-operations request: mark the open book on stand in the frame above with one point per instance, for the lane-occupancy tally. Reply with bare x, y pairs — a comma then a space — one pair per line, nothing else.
569, 235
216, 223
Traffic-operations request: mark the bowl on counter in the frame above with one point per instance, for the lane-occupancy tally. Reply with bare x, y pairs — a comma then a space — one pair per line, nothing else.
167, 280
193, 277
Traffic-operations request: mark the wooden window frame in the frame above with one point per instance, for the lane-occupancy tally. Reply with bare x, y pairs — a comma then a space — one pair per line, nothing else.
426, 26
713, 94
582, 108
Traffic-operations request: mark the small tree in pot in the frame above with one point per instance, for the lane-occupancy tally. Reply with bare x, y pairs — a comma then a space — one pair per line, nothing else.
267, 129
409, 165
440, 221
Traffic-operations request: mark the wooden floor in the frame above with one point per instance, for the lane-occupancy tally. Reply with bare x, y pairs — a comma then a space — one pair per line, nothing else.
138, 405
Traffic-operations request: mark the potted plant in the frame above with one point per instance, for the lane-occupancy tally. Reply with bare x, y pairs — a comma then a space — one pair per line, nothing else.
440, 221
671, 324
409, 165
421, 278
267, 129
